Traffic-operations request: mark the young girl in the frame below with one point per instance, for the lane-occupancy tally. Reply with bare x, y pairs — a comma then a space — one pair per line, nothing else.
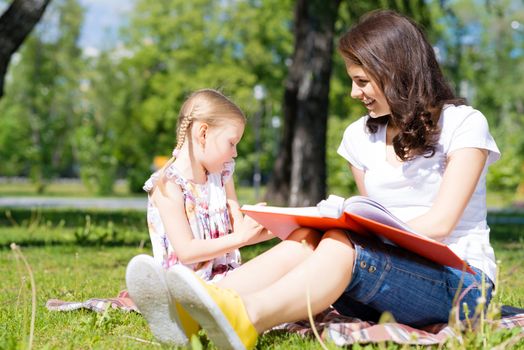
193, 214
423, 154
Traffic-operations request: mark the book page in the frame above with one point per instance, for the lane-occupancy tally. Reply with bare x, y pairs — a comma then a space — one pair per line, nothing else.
375, 211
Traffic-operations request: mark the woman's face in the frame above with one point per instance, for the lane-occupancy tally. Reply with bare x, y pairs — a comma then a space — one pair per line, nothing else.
367, 91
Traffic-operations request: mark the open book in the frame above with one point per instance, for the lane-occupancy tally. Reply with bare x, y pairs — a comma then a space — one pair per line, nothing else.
357, 214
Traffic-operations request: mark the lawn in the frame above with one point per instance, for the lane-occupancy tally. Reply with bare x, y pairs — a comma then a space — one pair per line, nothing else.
78, 261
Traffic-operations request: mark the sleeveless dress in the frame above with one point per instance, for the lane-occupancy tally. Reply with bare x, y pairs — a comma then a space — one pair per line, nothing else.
207, 214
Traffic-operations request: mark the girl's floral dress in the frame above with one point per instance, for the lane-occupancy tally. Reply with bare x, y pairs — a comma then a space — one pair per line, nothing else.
208, 217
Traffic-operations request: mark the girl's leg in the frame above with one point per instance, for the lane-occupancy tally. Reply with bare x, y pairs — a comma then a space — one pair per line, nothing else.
325, 274
268, 267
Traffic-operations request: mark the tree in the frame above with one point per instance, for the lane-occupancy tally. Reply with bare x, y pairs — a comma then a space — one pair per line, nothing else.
15, 25
299, 173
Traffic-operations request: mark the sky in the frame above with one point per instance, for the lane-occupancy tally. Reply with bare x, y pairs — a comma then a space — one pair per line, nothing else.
101, 22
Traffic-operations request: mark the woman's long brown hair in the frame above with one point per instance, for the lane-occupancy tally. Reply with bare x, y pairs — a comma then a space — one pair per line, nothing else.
395, 53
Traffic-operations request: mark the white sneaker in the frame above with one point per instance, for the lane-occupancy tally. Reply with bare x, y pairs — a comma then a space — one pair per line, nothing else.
147, 288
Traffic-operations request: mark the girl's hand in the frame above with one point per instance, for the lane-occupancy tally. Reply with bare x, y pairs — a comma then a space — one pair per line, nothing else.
249, 229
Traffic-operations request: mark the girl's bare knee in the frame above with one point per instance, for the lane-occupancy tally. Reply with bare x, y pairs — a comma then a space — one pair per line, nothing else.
306, 235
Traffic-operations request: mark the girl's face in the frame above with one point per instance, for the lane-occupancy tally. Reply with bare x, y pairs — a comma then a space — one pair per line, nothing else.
367, 91
221, 145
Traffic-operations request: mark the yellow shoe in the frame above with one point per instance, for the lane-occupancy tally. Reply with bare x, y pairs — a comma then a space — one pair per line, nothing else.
168, 321
219, 311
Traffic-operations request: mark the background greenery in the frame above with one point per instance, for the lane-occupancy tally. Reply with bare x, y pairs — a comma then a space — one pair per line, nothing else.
104, 117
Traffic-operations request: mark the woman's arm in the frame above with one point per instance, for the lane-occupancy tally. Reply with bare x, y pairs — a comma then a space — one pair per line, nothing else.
358, 175
463, 170
170, 204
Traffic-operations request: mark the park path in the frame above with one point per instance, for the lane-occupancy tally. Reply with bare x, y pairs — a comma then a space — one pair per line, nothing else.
495, 215
77, 203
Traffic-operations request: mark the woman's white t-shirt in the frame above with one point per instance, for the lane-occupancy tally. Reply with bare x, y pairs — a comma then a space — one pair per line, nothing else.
410, 189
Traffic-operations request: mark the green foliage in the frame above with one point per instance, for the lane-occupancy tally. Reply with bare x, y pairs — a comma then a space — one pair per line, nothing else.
14, 140
178, 47
481, 48
107, 116
97, 163
41, 93
340, 182
506, 174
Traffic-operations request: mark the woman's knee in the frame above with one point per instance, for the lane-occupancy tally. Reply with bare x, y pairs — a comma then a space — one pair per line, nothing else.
336, 243
338, 235
307, 236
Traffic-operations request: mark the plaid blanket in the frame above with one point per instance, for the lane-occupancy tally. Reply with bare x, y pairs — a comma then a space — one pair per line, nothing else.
121, 302
330, 324
343, 330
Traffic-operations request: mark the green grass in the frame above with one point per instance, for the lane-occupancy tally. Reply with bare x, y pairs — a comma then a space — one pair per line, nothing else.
73, 262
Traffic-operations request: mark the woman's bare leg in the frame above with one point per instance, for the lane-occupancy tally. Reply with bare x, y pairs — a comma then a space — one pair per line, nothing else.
326, 273
269, 266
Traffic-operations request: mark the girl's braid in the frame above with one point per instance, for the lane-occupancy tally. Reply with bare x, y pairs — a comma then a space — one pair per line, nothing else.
182, 131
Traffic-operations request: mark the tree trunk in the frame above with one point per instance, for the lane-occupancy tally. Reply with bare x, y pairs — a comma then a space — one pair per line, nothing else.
15, 25
299, 173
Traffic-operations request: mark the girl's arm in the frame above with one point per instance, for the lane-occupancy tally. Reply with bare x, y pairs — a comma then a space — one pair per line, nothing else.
233, 206
463, 170
170, 204
237, 216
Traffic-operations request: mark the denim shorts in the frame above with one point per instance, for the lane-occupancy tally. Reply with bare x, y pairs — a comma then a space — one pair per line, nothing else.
414, 290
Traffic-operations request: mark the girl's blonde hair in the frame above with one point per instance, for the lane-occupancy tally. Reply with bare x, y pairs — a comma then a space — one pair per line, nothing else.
207, 106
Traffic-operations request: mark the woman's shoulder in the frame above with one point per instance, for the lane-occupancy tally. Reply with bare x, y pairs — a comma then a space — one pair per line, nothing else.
455, 120
358, 131
464, 126
453, 116
357, 127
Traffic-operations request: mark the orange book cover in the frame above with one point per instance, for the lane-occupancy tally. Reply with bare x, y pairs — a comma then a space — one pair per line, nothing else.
360, 215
